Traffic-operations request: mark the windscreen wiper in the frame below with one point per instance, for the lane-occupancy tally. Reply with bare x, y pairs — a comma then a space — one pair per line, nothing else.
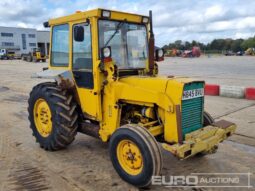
120, 24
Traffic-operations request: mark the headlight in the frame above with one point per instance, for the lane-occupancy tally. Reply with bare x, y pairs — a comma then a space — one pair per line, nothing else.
106, 14
145, 20
107, 52
160, 53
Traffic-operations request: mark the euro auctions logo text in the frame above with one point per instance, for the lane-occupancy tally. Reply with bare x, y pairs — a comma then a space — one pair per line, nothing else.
240, 180
175, 180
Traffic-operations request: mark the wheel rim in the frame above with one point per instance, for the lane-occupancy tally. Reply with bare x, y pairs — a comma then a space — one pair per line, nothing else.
130, 157
42, 118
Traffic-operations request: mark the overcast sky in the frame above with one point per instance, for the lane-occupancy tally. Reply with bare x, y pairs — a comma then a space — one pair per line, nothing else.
187, 20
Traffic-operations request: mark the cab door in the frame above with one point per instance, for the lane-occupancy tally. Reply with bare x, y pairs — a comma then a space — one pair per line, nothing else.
82, 67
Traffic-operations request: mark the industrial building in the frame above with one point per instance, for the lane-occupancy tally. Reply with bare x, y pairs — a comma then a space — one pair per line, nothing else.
23, 40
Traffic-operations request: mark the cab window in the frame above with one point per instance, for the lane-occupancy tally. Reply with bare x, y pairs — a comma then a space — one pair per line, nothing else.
82, 58
60, 46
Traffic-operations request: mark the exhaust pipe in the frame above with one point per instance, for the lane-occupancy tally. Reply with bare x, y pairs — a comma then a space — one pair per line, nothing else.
151, 45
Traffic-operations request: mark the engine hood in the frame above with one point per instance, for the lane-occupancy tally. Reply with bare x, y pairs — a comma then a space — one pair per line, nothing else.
157, 84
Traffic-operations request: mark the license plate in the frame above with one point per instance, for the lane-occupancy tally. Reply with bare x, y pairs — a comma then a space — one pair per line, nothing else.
190, 94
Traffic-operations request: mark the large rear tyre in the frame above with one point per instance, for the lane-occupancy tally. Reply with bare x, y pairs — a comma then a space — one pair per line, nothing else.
34, 59
135, 155
53, 116
29, 59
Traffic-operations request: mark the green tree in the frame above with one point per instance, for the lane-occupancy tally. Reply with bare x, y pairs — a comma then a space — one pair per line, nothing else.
236, 45
249, 43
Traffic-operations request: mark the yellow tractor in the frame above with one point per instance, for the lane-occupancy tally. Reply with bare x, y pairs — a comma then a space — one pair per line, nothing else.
106, 85
36, 55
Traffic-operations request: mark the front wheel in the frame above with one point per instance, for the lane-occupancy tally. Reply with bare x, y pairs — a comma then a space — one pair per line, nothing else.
135, 155
208, 119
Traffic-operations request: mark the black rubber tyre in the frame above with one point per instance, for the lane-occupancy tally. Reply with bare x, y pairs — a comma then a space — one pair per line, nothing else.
34, 59
150, 151
43, 60
208, 119
64, 116
29, 59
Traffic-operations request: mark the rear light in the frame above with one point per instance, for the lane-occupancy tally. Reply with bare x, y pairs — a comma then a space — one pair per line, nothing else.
107, 60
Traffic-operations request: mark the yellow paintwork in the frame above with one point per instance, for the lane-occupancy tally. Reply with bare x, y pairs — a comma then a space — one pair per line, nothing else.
38, 55
102, 103
156, 130
11, 55
130, 157
202, 140
96, 13
42, 117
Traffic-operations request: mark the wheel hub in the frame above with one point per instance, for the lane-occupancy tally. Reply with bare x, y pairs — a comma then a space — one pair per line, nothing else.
130, 157
42, 117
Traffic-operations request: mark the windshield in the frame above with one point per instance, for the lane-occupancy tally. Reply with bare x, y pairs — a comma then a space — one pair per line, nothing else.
128, 43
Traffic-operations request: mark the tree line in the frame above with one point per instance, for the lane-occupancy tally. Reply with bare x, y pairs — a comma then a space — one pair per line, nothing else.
217, 45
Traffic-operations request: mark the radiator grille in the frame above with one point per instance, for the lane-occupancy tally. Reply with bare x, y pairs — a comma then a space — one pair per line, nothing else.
192, 111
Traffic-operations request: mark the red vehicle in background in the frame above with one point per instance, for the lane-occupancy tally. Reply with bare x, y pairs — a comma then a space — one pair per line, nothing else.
195, 52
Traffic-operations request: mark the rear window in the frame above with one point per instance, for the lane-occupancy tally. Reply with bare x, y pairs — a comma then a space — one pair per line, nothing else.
60, 46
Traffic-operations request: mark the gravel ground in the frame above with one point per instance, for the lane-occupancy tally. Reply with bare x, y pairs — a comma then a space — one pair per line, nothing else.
85, 164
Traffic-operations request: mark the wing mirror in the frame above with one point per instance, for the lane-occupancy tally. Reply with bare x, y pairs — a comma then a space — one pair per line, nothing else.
78, 33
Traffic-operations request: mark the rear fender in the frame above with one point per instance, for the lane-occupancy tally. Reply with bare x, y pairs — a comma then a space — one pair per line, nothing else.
64, 78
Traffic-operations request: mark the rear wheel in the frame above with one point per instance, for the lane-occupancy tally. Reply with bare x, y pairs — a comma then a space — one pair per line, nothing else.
34, 59
53, 116
135, 155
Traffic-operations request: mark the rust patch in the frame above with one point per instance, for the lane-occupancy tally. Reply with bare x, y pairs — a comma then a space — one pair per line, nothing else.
179, 123
223, 124
65, 83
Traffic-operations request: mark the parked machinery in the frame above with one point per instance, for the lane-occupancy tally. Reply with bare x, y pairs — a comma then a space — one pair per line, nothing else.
250, 51
6, 54
36, 55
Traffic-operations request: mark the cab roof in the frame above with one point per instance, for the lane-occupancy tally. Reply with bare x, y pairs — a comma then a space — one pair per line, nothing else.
82, 15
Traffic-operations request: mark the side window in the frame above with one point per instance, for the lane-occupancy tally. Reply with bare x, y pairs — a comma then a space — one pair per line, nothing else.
82, 55
82, 59
60, 45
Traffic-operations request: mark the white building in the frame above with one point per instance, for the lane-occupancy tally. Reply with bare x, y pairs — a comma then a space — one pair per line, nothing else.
23, 40
43, 41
